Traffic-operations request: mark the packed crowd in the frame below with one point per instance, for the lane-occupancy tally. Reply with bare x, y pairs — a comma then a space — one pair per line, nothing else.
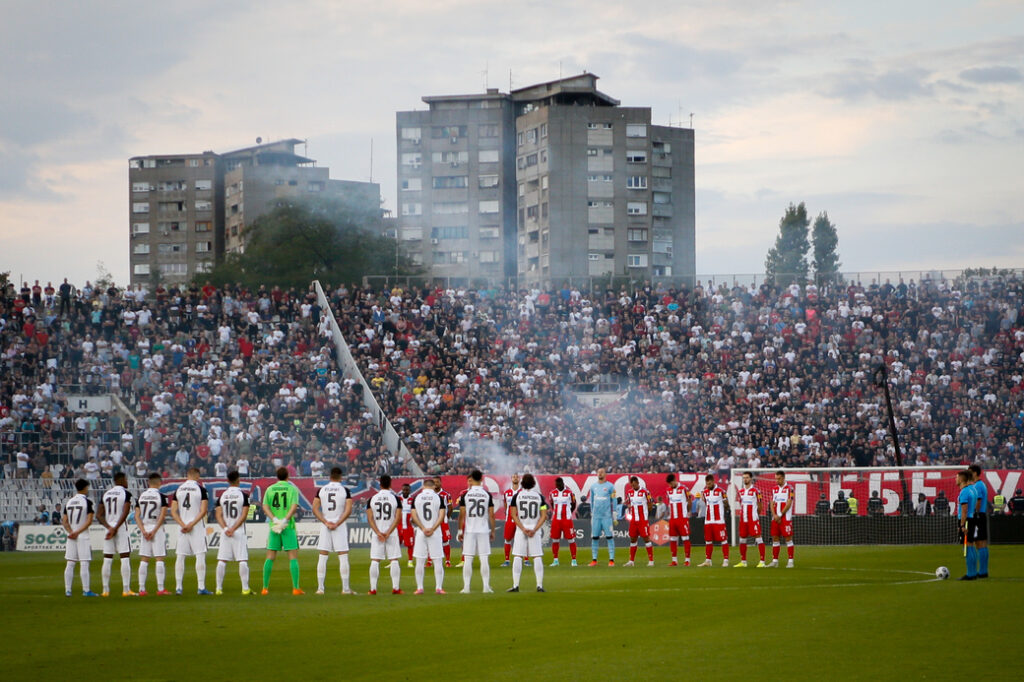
710, 377
703, 378
219, 378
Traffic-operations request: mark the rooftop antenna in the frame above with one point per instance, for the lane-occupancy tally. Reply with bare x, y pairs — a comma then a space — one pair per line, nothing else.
691, 120
487, 67
510, 80
559, 69
371, 159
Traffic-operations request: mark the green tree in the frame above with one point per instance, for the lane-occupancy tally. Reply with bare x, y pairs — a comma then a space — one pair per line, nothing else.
302, 240
826, 256
786, 262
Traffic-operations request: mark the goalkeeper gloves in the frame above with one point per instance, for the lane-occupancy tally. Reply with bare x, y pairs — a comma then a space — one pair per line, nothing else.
279, 525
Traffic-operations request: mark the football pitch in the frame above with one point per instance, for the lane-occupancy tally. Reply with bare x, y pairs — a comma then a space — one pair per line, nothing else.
843, 612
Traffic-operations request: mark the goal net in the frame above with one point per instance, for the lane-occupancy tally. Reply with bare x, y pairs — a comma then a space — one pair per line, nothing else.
861, 506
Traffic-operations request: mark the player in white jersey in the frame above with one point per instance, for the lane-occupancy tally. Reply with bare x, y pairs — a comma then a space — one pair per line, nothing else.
150, 514
332, 506
112, 514
78, 513
383, 513
231, 509
476, 529
427, 513
529, 512
750, 520
189, 504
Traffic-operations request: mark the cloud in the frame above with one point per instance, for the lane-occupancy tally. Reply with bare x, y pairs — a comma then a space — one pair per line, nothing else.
891, 84
992, 74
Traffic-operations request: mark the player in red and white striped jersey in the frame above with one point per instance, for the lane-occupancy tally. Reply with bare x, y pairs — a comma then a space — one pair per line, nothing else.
782, 518
563, 506
446, 531
716, 509
510, 528
679, 499
750, 519
406, 531
640, 505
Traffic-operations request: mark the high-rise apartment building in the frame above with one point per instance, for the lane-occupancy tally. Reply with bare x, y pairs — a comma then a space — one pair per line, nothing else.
176, 209
188, 210
456, 186
597, 190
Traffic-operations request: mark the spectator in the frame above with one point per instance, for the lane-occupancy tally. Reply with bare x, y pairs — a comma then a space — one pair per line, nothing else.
941, 505
924, 507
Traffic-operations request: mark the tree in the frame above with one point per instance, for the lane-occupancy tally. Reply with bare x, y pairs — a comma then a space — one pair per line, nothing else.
786, 262
302, 240
826, 258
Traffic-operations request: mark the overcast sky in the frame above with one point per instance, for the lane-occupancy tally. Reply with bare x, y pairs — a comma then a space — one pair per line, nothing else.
904, 120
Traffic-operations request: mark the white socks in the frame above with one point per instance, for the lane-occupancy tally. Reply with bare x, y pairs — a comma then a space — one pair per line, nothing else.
467, 574
374, 575
343, 569
201, 570
419, 571
321, 571
485, 572
108, 563
222, 567
517, 570
439, 574
143, 575
538, 570
83, 573
126, 574
396, 575
161, 575
179, 571
243, 574
69, 575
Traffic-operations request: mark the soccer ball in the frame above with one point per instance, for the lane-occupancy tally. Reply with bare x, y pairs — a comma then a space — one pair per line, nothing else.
941, 572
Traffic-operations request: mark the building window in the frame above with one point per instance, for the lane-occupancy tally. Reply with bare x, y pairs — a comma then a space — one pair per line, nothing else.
599, 178
141, 249
599, 204
490, 206
204, 266
141, 269
451, 182
637, 260
412, 135
412, 160
487, 156
531, 212
411, 234
599, 126
531, 136
636, 130
140, 228
452, 132
204, 226
486, 181
412, 184
662, 171
412, 208
662, 198
204, 206
543, 130
593, 256
204, 184
520, 139
488, 233
451, 207
488, 130
488, 256
315, 187
140, 207
636, 208
453, 158
141, 187
636, 182
166, 249
599, 151
636, 234
204, 247
450, 232
635, 156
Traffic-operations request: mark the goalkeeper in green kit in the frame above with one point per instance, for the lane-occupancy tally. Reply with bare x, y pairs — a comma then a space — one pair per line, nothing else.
280, 502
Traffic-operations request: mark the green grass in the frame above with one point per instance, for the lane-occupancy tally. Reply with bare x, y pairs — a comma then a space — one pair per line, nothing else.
844, 612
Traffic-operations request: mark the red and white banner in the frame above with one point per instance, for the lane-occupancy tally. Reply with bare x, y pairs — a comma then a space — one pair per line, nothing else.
809, 485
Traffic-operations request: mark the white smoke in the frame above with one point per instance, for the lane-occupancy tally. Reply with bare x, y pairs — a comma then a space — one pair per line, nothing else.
488, 455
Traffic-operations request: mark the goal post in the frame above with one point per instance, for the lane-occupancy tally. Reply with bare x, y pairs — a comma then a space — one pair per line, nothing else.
823, 512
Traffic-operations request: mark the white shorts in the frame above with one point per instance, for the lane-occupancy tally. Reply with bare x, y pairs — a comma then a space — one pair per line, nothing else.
193, 542
234, 548
390, 549
79, 549
476, 544
424, 547
121, 543
527, 547
333, 540
157, 547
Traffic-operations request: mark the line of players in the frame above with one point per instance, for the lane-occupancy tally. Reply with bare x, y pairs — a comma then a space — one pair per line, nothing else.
420, 522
